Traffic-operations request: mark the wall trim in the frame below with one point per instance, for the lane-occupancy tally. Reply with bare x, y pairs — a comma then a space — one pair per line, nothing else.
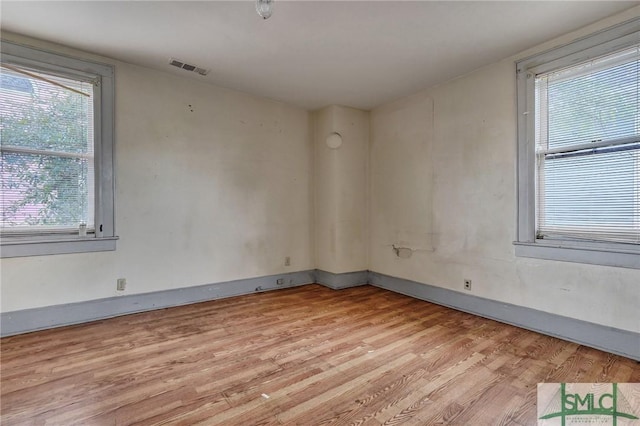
617, 341
341, 280
27, 320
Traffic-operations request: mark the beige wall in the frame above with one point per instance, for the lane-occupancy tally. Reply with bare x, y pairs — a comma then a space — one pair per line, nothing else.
401, 184
219, 193
341, 190
459, 141
228, 190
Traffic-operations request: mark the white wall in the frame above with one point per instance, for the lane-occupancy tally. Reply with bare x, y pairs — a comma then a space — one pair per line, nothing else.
341, 190
464, 160
219, 193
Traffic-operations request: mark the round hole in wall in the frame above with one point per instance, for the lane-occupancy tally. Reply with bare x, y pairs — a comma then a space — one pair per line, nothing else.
334, 140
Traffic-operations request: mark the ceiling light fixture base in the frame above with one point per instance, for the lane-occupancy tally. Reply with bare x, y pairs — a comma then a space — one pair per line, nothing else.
264, 8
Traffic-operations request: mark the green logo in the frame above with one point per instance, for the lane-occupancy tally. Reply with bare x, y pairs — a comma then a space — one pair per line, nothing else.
581, 407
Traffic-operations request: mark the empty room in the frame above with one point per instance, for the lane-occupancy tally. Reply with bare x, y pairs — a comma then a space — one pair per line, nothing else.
270, 212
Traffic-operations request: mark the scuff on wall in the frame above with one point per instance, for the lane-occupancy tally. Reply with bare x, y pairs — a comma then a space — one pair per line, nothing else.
403, 252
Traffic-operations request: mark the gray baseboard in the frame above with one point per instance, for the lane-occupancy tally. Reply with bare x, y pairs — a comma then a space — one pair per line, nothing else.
340, 281
27, 320
609, 339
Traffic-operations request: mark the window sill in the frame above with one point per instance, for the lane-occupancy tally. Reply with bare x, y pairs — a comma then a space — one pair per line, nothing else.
14, 247
605, 254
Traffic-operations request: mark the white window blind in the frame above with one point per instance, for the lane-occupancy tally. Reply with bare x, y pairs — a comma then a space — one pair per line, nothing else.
588, 150
47, 147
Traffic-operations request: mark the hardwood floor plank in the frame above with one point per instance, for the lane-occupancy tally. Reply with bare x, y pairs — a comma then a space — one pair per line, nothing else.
360, 402
307, 355
406, 408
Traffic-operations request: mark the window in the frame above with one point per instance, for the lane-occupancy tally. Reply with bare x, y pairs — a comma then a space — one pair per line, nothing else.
579, 150
56, 171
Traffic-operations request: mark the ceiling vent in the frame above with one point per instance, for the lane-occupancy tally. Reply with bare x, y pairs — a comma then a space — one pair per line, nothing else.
188, 67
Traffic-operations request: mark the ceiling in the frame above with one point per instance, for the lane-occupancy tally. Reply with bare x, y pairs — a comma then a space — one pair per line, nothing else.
309, 53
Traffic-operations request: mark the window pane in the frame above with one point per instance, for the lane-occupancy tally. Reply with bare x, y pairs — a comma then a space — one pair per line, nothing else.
592, 102
37, 114
592, 194
587, 191
47, 141
46, 191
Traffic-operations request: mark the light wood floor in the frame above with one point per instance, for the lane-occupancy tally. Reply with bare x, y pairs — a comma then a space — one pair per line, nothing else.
306, 356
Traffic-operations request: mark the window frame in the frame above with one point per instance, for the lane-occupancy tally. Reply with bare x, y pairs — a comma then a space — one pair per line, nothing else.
104, 239
600, 43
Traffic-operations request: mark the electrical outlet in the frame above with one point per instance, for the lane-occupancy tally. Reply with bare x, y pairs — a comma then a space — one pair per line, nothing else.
287, 261
280, 281
121, 284
467, 285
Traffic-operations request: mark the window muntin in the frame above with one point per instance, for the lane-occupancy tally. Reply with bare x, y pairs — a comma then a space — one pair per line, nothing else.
47, 152
588, 150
